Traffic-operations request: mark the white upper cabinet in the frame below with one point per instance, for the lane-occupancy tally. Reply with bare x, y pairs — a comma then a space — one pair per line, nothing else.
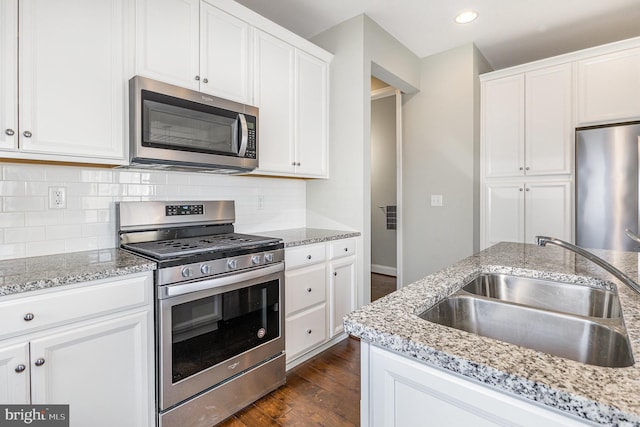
292, 93
168, 41
609, 87
72, 80
195, 45
9, 74
274, 76
527, 123
548, 123
503, 126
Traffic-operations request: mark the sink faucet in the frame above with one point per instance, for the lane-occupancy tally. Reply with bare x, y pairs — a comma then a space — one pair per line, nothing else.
543, 240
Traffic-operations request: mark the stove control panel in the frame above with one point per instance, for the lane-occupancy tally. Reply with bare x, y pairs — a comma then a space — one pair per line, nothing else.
203, 270
173, 210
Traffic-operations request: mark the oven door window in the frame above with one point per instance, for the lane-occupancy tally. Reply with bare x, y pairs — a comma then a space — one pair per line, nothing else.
211, 330
188, 126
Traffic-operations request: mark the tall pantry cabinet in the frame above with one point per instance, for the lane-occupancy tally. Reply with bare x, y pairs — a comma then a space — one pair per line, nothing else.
527, 139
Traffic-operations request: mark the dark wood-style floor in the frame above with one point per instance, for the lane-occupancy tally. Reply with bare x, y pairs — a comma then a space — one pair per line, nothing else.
324, 391
381, 285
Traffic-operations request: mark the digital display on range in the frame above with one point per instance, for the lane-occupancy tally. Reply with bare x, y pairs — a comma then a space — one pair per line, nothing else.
174, 210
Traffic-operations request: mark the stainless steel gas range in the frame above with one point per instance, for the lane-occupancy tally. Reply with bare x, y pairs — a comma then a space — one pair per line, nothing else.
219, 307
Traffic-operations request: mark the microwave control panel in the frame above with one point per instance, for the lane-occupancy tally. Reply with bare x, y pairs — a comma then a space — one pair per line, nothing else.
251, 140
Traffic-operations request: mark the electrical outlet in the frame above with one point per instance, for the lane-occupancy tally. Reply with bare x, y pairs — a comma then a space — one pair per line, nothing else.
260, 202
436, 200
57, 197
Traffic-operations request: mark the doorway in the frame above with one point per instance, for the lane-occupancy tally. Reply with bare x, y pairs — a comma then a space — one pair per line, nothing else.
386, 127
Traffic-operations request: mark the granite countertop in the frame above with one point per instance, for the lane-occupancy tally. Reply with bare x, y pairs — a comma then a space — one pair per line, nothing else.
308, 236
31, 274
609, 396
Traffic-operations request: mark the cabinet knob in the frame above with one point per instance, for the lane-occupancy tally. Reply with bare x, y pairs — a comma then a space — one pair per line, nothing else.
9, 132
298, 164
346, 249
205, 80
308, 289
27, 134
527, 168
293, 163
528, 189
521, 168
20, 368
335, 273
521, 189
308, 331
39, 361
29, 317
308, 256
197, 78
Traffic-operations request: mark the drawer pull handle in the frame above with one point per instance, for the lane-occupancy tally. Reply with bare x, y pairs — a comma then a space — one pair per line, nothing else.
308, 256
309, 331
308, 289
39, 361
28, 317
20, 368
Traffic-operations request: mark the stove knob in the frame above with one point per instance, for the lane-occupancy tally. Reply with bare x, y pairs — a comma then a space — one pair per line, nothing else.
186, 272
232, 264
255, 260
205, 269
268, 257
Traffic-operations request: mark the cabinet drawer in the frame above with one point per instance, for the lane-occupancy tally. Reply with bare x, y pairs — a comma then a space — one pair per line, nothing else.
305, 287
305, 331
304, 255
342, 248
58, 307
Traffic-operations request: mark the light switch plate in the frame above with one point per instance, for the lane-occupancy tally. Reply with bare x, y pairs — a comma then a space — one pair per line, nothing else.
436, 200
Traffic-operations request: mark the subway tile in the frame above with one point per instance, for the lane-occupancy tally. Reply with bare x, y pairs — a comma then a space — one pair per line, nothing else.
112, 189
37, 188
12, 188
80, 216
62, 173
81, 244
61, 232
82, 188
12, 219
95, 202
12, 250
14, 172
140, 190
24, 204
47, 217
127, 177
96, 175
97, 229
49, 247
153, 177
23, 234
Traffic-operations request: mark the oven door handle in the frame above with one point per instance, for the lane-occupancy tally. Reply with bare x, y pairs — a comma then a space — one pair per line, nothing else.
202, 285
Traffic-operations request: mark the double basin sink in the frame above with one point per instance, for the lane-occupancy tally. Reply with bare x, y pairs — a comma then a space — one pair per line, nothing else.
567, 320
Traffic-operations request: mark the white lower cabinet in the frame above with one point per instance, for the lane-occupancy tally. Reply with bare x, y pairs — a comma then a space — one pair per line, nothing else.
100, 365
398, 391
320, 289
516, 211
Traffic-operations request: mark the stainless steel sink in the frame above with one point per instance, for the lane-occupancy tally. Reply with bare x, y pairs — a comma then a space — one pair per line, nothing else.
596, 335
547, 294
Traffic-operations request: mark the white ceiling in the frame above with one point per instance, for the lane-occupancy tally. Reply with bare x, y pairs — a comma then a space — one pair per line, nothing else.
507, 32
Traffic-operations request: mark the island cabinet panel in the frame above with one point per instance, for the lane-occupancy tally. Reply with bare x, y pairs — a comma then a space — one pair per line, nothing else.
609, 88
91, 346
405, 392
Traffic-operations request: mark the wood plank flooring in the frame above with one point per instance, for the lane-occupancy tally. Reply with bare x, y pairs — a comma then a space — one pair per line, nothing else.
324, 391
381, 285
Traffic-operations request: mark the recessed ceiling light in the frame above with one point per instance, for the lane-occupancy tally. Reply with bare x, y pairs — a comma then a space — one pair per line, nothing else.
466, 16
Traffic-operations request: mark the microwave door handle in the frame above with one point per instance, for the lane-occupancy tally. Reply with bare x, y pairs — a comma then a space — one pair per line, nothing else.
245, 135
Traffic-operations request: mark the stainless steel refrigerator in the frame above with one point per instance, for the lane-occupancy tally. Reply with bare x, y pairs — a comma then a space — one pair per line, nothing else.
607, 186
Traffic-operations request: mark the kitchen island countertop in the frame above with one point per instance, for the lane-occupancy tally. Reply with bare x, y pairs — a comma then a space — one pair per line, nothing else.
42, 272
608, 396
308, 236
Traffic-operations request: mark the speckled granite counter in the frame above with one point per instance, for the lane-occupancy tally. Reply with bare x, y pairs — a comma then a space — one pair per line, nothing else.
308, 236
30, 274
609, 396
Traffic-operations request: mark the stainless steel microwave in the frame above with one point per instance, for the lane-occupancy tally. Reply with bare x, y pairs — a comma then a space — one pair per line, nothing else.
176, 128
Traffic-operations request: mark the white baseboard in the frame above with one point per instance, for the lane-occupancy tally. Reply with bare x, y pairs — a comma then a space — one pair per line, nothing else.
384, 269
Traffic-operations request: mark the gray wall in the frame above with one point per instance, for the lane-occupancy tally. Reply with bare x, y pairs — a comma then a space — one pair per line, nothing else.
440, 156
383, 180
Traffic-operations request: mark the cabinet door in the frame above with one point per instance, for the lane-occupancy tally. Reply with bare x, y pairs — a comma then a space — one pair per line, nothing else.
504, 213
14, 373
311, 127
503, 120
224, 55
549, 130
9, 75
73, 77
274, 86
609, 87
168, 41
96, 368
342, 276
548, 210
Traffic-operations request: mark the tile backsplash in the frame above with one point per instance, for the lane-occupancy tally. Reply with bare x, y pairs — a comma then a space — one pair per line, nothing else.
28, 227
